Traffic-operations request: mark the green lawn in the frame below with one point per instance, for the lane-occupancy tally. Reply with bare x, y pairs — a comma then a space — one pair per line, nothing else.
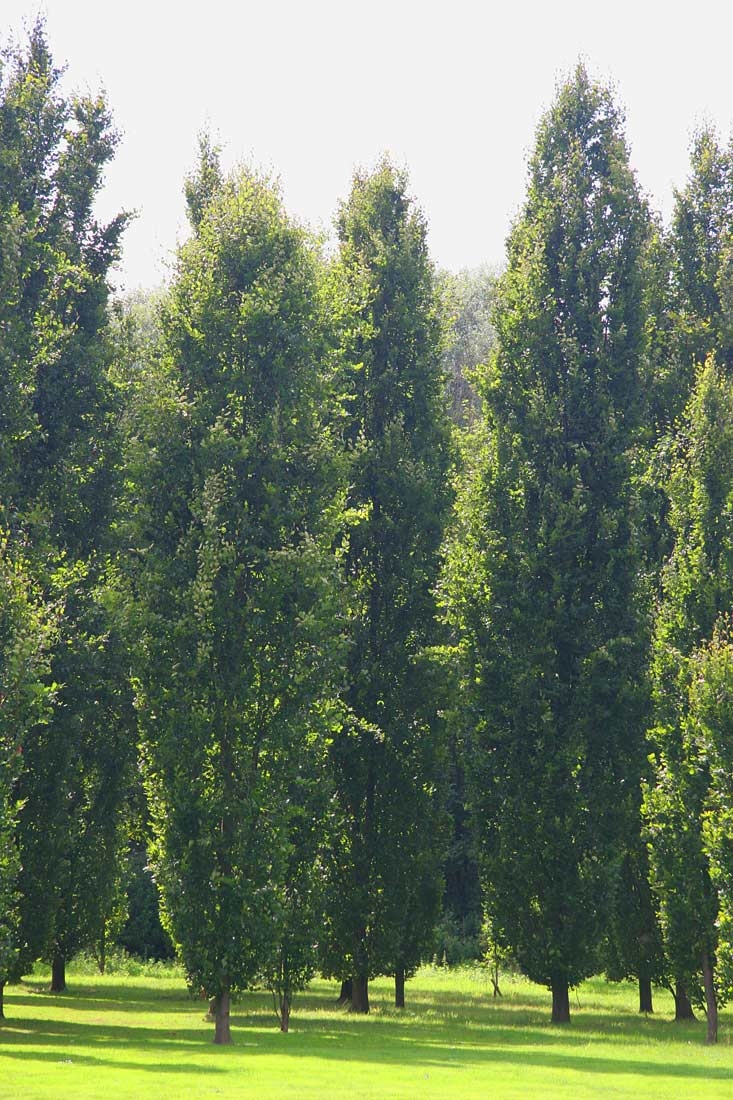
127, 1038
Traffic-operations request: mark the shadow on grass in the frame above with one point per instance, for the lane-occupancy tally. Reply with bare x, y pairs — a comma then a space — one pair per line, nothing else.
447, 1030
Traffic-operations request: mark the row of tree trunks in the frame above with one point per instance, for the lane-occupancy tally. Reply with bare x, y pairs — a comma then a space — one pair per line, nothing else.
355, 992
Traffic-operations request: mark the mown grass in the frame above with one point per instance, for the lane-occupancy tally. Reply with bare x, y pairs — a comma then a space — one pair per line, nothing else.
126, 1037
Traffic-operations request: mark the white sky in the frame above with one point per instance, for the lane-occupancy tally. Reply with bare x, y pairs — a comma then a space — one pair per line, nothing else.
312, 88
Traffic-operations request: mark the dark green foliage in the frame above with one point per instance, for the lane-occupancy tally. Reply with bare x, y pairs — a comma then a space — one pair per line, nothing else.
26, 635
697, 589
701, 237
234, 489
58, 458
142, 934
542, 574
388, 760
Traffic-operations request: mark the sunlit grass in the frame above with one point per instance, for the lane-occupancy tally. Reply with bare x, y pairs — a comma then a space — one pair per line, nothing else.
126, 1037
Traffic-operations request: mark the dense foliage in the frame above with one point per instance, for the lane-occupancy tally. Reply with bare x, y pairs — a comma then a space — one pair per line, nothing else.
325, 670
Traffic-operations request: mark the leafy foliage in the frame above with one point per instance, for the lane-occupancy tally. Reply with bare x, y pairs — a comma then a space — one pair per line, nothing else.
541, 578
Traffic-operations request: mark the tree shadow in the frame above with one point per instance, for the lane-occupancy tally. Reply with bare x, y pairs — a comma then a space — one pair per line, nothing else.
449, 1031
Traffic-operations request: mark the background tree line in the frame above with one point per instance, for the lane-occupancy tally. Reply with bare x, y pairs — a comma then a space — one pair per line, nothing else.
353, 600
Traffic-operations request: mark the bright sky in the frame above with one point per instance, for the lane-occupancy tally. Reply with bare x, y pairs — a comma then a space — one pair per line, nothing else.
312, 88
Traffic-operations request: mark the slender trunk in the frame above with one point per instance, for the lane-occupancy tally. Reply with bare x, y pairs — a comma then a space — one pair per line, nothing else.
682, 1007
58, 973
102, 961
346, 992
222, 1032
645, 995
560, 1002
711, 1005
399, 987
285, 1014
360, 993
2, 1000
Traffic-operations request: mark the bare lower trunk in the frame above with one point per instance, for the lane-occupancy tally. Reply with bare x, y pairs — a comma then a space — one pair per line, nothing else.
285, 1014
58, 973
360, 993
222, 1032
399, 987
560, 1002
2, 1000
682, 1007
711, 1005
345, 994
645, 995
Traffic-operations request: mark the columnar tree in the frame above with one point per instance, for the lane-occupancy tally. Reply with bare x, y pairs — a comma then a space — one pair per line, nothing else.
59, 408
702, 255
711, 719
233, 491
542, 572
26, 627
697, 589
387, 762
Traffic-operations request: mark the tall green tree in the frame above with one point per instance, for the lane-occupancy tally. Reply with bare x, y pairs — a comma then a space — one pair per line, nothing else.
697, 589
701, 241
388, 760
542, 571
26, 634
234, 490
711, 720
58, 421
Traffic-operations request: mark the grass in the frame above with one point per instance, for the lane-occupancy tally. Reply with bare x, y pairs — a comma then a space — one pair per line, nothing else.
126, 1036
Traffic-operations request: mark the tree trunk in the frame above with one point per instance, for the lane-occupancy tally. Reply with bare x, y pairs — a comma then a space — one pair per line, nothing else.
2, 1000
645, 995
284, 1014
346, 992
399, 987
360, 993
711, 1005
222, 1032
560, 1002
58, 973
682, 1007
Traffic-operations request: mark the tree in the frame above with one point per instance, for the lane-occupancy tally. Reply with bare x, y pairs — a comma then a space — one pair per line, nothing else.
468, 298
234, 489
541, 580
58, 418
711, 718
26, 634
700, 240
697, 588
385, 885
